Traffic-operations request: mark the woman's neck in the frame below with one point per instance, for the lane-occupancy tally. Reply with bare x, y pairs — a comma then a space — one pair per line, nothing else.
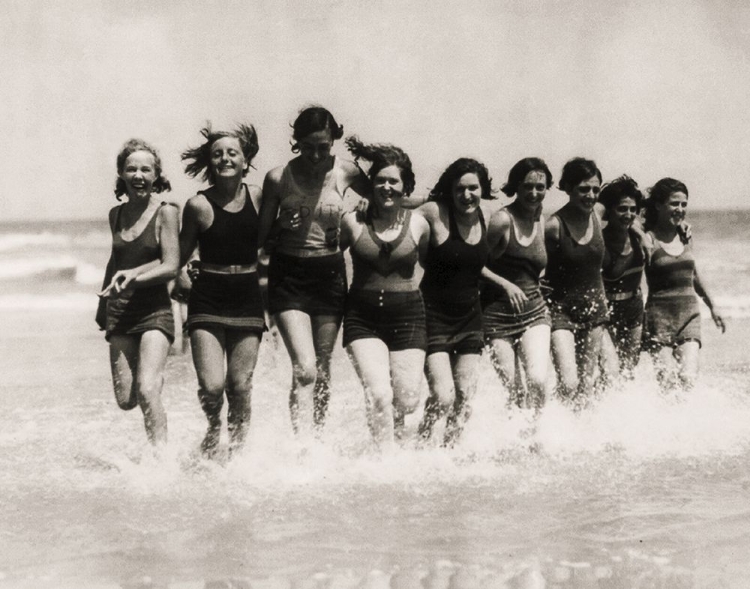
389, 217
227, 190
525, 213
665, 231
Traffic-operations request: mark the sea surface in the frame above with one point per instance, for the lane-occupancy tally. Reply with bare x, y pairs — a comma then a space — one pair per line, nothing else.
639, 491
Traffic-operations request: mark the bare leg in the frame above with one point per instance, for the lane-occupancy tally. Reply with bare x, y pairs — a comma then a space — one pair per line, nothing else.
465, 375
123, 358
208, 346
297, 332
442, 392
325, 329
406, 376
588, 349
609, 360
629, 350
371, 361
664, 367
533, 350
563, 345
242, 355
503, 356
687, 356
154, 349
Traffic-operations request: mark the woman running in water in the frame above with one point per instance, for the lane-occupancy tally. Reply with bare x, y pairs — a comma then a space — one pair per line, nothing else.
384, 323
622, 272
145, 256
516, 318
303, 205
575, 251
457, 253
673, 323
225, 310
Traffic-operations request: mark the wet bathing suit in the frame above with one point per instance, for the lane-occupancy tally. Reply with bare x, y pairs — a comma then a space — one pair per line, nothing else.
140, 309
384, 301
622, 275
574, 272
307, 271
450, 287
522, 266
226, 292
672, 310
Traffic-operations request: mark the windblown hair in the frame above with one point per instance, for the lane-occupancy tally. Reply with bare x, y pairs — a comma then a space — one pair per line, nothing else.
443, 190
313, 119
381, 156
519, 171
576, 171
659, 193
623, 187
199, 158
161, 184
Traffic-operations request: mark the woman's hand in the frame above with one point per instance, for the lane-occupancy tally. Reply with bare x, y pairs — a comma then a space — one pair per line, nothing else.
718, 321
516, 296
290, 219
121, 282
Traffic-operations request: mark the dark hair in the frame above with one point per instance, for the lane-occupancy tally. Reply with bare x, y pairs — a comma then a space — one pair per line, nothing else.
199, 158
381, 156
443, 190
623, 187
131, 146
659, 193
311, 120
520, 170
576, 171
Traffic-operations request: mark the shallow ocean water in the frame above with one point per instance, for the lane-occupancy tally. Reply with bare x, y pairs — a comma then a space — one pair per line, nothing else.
638, 491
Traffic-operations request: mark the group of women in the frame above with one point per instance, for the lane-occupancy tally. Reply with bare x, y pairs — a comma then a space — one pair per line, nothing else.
503, 279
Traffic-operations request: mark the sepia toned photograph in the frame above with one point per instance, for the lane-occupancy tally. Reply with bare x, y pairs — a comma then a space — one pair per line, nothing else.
348, 294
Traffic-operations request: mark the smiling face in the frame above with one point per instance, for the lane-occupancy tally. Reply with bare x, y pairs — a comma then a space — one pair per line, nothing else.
315, 148
531, 192
139, 174
623, 213
388, 188
672, 212
227, 159
467, 193
584, 194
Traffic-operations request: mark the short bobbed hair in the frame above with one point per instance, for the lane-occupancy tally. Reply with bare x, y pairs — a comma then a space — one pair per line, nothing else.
576, 171
199, 158
623, 187
382, 155
161, 184
520, 170
659, 193
311, 120
443, 190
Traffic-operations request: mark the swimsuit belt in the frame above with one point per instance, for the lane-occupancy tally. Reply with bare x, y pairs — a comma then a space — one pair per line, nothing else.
229, 268
622, 296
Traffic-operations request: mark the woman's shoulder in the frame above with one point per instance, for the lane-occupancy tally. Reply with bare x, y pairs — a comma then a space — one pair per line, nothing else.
274, 175
430, 210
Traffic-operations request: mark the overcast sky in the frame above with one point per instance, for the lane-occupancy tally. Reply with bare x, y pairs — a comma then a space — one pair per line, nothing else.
647, 88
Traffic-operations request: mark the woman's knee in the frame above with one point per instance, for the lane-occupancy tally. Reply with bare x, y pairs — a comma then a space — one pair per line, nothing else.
127, 403
406, 402
381, 398
305, 372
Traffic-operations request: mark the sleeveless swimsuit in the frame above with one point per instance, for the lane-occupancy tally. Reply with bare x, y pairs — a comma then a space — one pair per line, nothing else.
574, 273
450, 287
141, 309
231, 301
384, 300
521, 265
307, 270
672, 310
622, 275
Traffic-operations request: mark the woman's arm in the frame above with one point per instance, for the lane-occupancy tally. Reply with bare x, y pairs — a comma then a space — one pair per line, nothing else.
350, 230
269, 208
157, 271
421, 234
703, 294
